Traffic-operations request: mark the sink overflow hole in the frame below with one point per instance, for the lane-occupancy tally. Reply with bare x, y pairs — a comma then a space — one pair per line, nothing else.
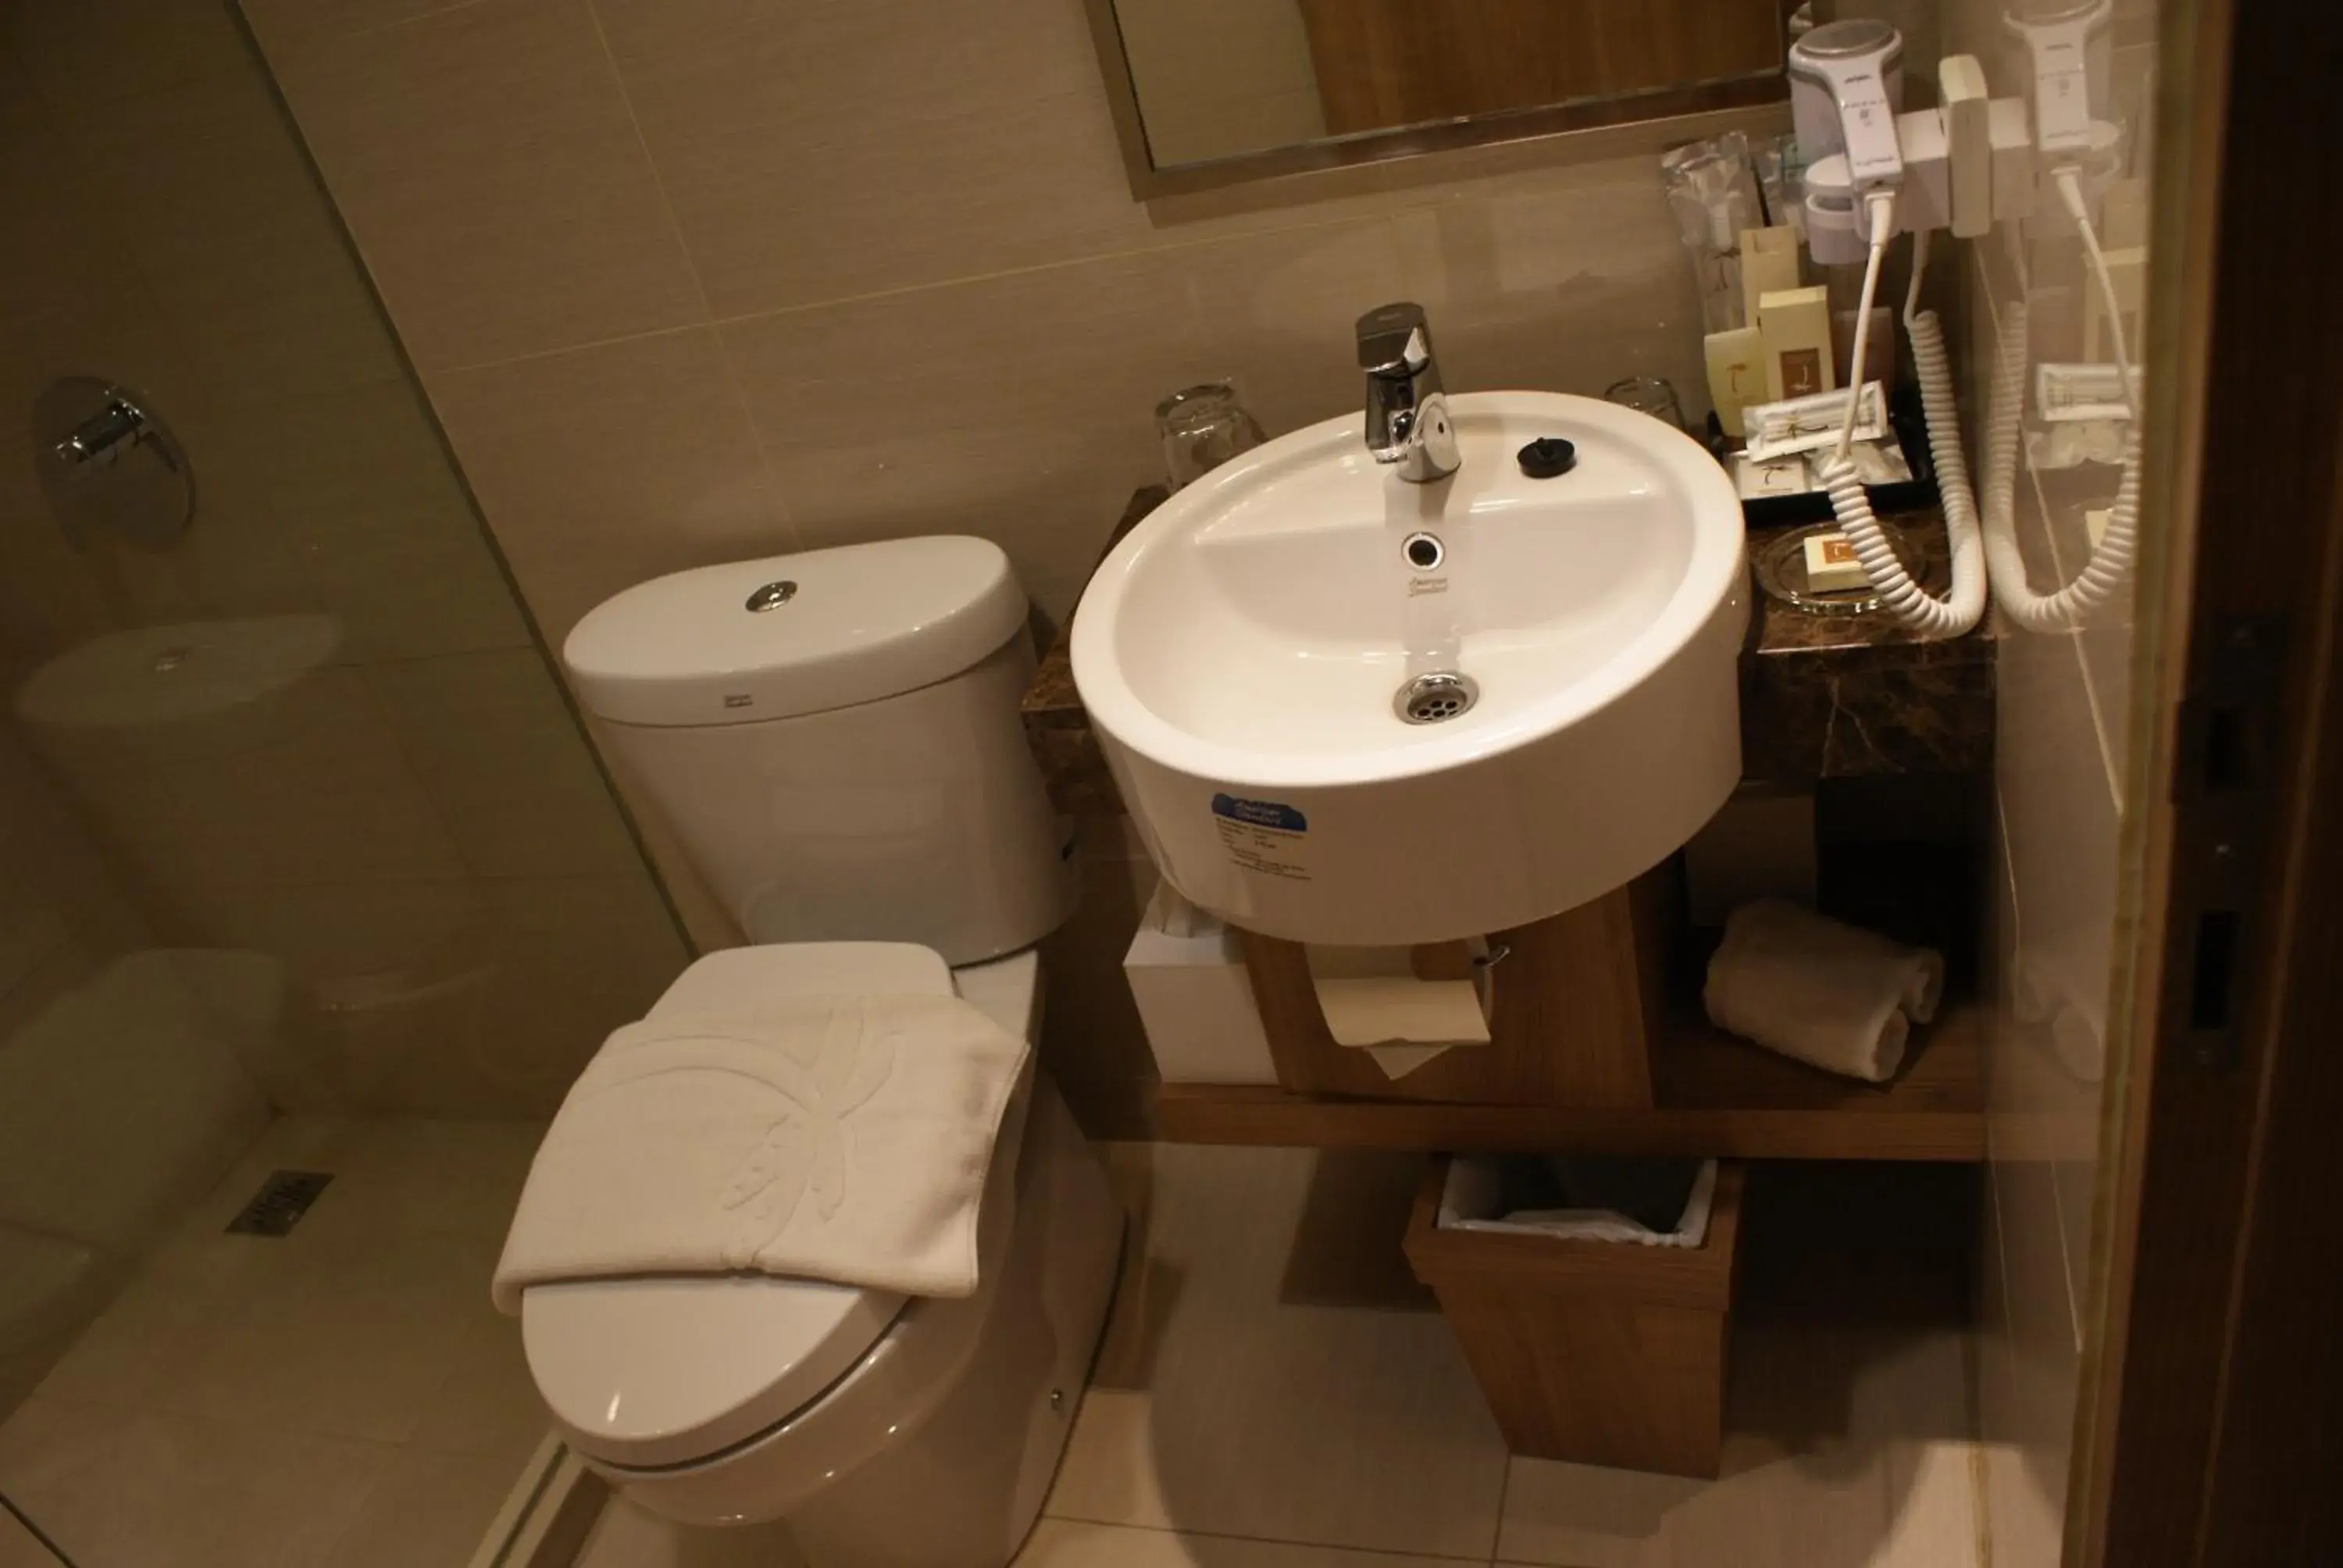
1429, 698
1425, 552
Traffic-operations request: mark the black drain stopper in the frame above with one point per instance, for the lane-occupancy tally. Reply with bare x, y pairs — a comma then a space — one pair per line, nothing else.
1547, 458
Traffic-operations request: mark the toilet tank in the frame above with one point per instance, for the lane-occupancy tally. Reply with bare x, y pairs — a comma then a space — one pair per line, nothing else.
834, 739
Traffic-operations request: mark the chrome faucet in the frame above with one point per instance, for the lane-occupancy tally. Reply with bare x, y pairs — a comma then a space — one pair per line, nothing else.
1407, 411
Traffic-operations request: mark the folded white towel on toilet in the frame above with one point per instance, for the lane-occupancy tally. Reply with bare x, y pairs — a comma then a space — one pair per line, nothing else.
1826, 993
844, 1139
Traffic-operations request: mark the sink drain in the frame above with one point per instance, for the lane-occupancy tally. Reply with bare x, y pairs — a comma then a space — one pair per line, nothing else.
1429, 698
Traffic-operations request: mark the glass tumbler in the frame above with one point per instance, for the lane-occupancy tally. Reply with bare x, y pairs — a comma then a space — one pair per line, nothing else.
1204, 426
1647, 395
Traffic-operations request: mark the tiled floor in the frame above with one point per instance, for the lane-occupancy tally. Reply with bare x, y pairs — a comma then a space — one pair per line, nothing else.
1276, 1394
342, 1396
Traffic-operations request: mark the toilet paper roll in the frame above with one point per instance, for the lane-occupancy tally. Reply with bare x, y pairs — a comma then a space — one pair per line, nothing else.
1402, 996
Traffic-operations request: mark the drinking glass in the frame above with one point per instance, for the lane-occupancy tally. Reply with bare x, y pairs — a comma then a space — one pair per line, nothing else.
1204, 426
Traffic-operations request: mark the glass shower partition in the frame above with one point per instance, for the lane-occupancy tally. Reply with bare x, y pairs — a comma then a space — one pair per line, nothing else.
306, 865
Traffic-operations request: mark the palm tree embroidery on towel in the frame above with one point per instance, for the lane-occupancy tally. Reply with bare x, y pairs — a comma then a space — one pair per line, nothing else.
810, 1146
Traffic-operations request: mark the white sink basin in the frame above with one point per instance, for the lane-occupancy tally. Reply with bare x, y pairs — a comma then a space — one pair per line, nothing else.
1241, 651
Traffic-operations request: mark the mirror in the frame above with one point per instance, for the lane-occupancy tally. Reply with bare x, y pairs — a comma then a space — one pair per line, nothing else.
1210, 92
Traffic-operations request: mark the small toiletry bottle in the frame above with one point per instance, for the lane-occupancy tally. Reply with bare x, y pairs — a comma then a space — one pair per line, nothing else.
1769, 265
1712, 196
1736, 375
1796, 328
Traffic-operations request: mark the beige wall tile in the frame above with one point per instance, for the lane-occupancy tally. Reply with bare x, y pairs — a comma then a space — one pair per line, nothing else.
1569, 280
285, 26
605, 467
1277, 312
72, 301
496, 751
50, 597
707, 925
58, 878
344, 941
362, 483
104, 54
1020, 407
586, 954
238, 558
233, 235
486, 160
452, 997
839, 148
304, 785
77, 261
486, 997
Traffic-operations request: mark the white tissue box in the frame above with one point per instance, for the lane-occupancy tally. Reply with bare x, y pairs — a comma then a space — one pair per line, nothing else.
1187, 973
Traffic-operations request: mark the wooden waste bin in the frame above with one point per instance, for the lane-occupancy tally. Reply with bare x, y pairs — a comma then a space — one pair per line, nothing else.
1604, 1353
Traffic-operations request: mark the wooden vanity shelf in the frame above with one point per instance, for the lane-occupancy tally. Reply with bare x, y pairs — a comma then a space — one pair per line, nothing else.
1592, 1051
1711, 1094
1592, 975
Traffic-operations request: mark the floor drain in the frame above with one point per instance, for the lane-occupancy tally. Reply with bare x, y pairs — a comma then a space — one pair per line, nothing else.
279, 1204
1429, 698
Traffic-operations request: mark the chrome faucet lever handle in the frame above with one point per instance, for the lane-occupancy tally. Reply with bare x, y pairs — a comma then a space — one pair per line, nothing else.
1407, 422
1394, 340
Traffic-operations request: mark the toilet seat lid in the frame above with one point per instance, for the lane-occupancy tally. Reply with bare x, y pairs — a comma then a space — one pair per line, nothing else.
669, 1370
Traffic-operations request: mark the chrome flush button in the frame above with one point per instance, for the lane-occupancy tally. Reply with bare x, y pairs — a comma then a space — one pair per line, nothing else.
772, 596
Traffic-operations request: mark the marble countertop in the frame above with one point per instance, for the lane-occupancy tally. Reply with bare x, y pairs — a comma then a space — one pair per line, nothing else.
1822, 696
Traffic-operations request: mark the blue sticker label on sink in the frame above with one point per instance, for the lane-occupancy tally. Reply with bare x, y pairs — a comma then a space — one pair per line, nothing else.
1267, 838
1260, 813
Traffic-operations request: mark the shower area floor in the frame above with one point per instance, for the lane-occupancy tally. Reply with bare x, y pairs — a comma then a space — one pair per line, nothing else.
343, 1394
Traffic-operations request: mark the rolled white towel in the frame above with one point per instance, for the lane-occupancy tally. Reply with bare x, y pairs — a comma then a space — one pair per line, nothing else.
1826, 993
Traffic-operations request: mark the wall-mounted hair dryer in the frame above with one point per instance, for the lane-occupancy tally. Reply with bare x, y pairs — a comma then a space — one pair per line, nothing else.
2068, 44
1846, 85
1962, 165
1845, 88
2068, 47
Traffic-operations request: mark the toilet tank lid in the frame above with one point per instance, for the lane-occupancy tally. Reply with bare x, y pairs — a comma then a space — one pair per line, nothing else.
840, 627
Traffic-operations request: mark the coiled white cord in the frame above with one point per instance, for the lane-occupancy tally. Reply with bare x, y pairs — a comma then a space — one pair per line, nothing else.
2109, 566
1904, 599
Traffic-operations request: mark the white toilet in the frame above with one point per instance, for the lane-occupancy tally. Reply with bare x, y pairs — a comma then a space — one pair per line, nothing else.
834, 737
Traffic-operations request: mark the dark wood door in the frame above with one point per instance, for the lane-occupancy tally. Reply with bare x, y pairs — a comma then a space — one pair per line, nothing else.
2212, 1427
